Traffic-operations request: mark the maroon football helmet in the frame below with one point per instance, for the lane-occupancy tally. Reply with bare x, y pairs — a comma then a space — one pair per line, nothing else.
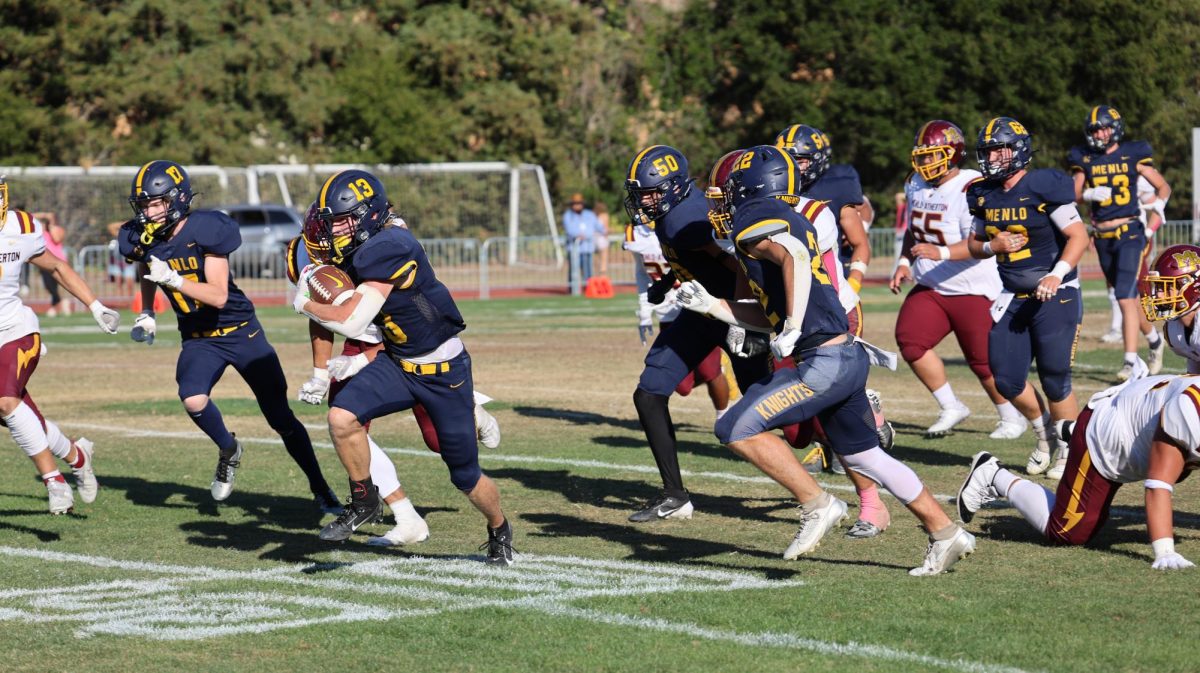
944, 143
1170, 289
314, 242
718, 212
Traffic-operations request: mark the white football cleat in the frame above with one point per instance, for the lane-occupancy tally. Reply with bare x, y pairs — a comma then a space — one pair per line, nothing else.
486, 428
1006, 429
1060, 461
977, 490
1113, 336
410, 530
222, 483
1126, 371
1039, 460
814, 525
61, 499
947, 419
85, 477
939, 556
1155, 359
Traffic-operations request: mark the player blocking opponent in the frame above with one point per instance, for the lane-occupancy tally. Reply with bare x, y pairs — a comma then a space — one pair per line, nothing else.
186, 253
777, 249
423, 360
22, 242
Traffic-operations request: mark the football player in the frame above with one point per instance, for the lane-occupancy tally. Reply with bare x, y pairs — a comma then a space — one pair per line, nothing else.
1106, 173
21, 349
657, 296
1173, 295
1153, 214
659, 190
953, 290
422, 361
1027, 219
873, 517
1144, 430
186, 253
777, 250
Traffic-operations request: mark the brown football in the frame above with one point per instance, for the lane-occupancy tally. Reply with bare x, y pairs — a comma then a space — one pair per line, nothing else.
327, 282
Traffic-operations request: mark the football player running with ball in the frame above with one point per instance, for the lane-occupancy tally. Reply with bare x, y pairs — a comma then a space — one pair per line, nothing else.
422, 362
1027, 219
186, 253
777, 249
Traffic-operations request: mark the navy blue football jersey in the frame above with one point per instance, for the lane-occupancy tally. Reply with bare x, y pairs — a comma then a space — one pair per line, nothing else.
1024, 209
684, 232
419, 313
761, 218
839, 187
1117, 170
204, 233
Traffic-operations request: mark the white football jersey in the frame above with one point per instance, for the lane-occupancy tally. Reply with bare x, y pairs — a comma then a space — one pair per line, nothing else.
939, 215
648, 254
828, 235
20, 240
1123, 424
1186, 346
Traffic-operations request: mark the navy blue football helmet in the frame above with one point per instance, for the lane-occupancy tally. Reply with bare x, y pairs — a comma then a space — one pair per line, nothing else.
355, 193
657, 181
762, 172
1003, 132
1100, 117
164, 180
806, 142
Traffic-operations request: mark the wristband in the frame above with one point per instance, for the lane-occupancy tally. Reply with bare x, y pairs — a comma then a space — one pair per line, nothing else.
1154, 483
1163, 546
943, 252
859, 266
987, 249
1060, 270
903, 261
321, 373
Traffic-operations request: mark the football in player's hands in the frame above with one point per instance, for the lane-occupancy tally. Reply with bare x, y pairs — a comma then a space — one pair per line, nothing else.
327, 283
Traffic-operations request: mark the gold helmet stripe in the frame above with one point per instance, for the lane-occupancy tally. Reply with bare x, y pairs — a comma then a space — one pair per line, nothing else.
637, 160
1095, 113
325, 189
140, 176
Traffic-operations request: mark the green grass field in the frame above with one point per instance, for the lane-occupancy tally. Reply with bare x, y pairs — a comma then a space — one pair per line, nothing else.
156, 576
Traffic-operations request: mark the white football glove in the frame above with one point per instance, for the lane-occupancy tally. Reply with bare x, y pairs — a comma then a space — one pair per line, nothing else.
143, 328
692, 296
783, 344
106, 318
344, 366
735, 338
313, 390
1172, 561
163, 274
1097, 194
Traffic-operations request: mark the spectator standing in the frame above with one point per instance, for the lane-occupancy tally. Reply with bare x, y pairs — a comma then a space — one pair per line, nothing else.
580, 226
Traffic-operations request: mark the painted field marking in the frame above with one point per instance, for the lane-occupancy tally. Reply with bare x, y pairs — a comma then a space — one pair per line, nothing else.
171, 603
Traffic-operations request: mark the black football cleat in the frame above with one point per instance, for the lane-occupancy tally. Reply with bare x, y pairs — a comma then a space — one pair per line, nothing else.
499, 545
355, 514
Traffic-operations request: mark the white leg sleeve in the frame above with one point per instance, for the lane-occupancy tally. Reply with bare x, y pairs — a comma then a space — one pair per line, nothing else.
896, 477
27, 430
60, 444
1033, 502
383, 470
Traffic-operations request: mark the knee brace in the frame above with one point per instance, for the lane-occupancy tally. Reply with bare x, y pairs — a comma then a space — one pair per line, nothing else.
896, 477
27, 430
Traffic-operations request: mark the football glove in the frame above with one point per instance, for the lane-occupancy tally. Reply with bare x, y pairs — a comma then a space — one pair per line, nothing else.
785, 342
106, 318
1172, 561
143, 328
746, 344
645, 331
1097, 194
657, 293
313, 390
344, 366
694, 297
163, 274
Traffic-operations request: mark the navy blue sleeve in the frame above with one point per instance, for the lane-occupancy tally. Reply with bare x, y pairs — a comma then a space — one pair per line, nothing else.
127, 239
975, 198
693, 235
1052, 186
388, 255
1075, 159
852, 191
1141, 152
761, 220
218, 233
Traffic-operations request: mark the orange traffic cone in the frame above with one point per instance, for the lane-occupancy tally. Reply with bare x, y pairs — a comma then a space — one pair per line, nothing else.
160, 303
598, 287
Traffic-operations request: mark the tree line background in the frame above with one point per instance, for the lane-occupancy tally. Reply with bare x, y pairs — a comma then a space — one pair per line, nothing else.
579, 87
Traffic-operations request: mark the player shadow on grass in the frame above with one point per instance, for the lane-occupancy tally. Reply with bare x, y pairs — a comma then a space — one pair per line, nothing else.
41, 535
1120, 530
577, 417
707, 450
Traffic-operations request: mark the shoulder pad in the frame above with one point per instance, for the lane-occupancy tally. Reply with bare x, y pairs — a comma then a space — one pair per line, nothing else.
215, 232
1140, 150
1075, 158
1053, 186
27, 223
295, 258
385, 255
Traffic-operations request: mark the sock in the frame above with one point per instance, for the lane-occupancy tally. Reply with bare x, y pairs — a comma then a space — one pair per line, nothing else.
721, 412
1117, 319
655, 417
300, 448
1130, 358
818, 502
60, 446
209, 421
944, 534
1003, 482
945, 397
1039, 426
871, 509
27, 430
1008, 412
403, 509
1033, 502
53, 475
1153, 337
363, 491
383, 470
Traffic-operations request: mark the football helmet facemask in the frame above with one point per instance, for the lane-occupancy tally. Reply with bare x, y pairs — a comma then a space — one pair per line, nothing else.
356, 195
762, 172
1103, 116
998, 133
718, 213
164, 181
938, 148
806, 144
656, 182
1170, 289
310, 234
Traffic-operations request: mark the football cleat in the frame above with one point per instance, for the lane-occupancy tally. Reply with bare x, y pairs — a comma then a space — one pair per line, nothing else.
1039, 460
863, 529
836, 467
1155, 360
222, 484
664, 507
977, 490
813, 526
499, 545
61, 499
85, 477
939, 556
816, 460
1113, 336
410, 530
354, 514
1060, 460
946, 420
486, 427
1126, 371
884, 431
1006, 429
328, 502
